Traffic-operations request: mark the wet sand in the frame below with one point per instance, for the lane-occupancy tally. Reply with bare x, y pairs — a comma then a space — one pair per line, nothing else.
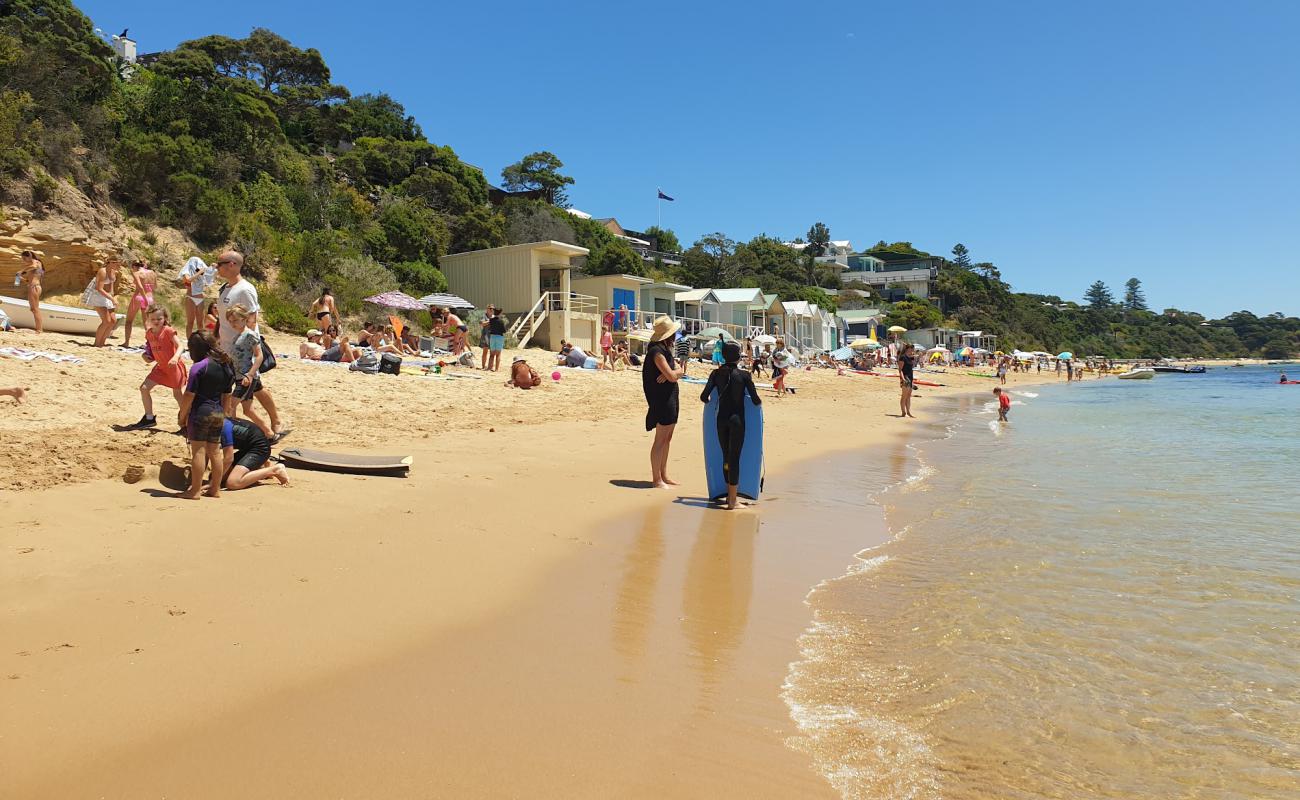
518, 618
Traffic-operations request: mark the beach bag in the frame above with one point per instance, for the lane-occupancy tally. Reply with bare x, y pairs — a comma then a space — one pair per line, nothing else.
390, 364
268, 358
367, 363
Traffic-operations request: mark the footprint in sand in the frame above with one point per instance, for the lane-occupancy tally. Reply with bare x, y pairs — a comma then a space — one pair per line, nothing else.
175, 612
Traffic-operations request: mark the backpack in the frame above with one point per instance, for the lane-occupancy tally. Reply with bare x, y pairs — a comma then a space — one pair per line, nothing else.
367, 363
390, 364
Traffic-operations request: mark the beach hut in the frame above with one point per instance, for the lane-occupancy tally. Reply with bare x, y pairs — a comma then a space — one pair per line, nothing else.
733, 307
696, 308
658, 299
531, 283
618, 297
767, 317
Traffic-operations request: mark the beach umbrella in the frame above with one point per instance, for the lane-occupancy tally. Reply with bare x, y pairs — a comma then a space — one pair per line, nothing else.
897, 329
1066, 355
865, 344
937, 349
713, 333
400, 300
639, 335
765, 338
443, 300
964, 351
842, 354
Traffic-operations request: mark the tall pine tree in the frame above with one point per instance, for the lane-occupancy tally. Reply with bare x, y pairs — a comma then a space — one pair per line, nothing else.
1134, 298
1099, 295
960, 256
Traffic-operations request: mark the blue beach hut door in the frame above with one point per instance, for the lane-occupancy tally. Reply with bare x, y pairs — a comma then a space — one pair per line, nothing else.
624, 297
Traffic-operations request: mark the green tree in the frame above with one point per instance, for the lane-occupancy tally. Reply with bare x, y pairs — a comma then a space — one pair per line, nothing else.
478, 229
960, 256
1099, 296
914, 313
711, 262
540, 170
1134, 298
527, 221
665, 239
614, 258
819, 241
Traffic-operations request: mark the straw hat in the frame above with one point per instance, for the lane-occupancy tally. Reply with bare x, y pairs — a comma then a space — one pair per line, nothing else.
664, 327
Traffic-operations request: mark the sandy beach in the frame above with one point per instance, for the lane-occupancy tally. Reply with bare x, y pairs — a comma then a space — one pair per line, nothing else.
520, 617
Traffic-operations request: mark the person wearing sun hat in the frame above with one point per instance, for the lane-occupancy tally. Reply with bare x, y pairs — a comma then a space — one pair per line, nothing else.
659, 377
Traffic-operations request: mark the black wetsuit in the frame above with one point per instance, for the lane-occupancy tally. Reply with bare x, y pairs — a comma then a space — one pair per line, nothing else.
732, 384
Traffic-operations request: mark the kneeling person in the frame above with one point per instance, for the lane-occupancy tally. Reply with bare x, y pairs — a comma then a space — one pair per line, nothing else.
247, 451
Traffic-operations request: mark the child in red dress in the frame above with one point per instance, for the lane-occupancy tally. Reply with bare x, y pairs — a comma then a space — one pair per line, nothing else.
162, 348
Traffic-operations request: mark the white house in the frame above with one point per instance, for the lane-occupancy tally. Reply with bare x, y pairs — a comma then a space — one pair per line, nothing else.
734, 305
837, 252
696, 309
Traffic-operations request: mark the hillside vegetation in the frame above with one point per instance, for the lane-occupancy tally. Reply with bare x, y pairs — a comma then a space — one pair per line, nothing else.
249, 142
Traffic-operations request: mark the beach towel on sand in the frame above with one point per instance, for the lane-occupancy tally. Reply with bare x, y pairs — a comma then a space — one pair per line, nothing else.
23, 354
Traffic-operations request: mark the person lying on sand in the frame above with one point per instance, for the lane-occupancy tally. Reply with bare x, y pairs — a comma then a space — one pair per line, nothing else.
16, 392
246, 455
523, 376
313, 350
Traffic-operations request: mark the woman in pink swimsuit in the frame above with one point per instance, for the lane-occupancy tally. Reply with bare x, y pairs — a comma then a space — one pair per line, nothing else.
145, 280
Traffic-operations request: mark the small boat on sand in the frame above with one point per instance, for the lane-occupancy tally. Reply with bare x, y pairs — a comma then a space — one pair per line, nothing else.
57, 319
1138, 374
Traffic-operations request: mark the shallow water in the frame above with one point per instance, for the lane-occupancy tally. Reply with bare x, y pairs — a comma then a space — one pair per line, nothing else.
1098, 599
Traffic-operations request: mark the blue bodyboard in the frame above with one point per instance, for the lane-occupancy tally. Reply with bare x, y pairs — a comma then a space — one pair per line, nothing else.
751, 455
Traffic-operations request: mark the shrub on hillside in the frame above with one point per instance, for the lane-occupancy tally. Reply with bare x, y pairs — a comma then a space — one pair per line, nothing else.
418, 278
282, 312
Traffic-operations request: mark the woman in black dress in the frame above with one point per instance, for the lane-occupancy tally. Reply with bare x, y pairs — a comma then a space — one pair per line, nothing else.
659, 378
906, 364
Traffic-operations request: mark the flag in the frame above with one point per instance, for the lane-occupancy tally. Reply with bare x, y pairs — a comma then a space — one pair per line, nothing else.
663, 196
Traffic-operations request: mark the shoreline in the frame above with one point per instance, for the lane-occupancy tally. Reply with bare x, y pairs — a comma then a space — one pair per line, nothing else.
318, 599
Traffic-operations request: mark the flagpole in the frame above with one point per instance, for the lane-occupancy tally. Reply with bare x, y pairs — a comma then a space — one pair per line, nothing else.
659, 203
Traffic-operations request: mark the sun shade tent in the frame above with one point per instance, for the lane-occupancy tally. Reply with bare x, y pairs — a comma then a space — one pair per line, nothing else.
713, 333
443, 300
399, 300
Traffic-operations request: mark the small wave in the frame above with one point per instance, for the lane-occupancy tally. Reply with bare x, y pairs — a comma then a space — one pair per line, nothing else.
861, 753
996, 427
1027, 394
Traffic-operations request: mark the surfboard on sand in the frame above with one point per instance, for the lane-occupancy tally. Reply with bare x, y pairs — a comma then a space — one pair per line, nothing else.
751, 455
302, 458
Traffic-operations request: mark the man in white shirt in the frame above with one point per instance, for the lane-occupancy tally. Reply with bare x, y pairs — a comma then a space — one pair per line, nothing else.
238, 291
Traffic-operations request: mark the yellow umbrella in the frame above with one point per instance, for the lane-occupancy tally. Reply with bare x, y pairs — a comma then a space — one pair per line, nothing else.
864, 344
897, 329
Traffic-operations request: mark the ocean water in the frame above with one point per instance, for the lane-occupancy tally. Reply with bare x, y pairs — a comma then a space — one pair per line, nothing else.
1097, 600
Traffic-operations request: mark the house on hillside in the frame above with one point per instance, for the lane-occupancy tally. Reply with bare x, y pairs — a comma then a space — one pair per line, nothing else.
892, 275
532, 283
618, 296
645, 245
837, 253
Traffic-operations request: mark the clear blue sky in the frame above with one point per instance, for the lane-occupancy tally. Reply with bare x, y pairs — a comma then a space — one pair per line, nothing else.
1065, 142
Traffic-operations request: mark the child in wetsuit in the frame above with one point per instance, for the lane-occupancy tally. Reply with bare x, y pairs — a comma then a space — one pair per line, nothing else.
732, 384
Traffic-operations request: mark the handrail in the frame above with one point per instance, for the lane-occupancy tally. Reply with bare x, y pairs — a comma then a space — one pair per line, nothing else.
526, 319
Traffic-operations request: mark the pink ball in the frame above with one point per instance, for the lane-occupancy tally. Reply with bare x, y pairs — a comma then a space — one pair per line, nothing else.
555, 376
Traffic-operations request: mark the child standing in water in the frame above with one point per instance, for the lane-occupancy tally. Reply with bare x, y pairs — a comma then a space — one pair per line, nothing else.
732, 384
163, 350
1004, 403
201, 412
